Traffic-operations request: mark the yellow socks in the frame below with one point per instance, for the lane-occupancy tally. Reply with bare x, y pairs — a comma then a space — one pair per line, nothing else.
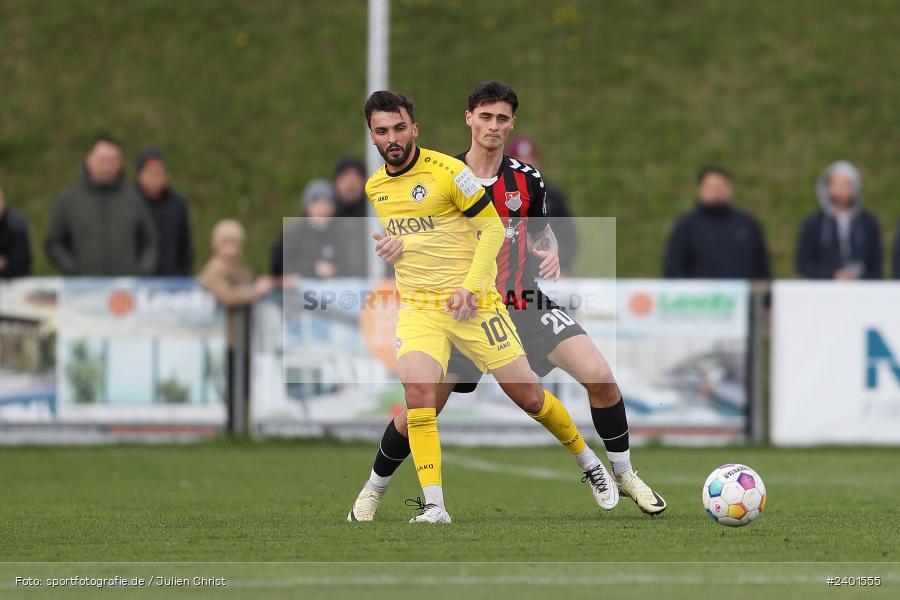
425, 445
555, 419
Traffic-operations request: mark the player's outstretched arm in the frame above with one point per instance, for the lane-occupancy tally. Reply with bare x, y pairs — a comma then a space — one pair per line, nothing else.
480, 277
463, 303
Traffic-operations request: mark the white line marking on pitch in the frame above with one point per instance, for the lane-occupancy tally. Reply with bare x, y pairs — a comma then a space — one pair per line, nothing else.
479, 464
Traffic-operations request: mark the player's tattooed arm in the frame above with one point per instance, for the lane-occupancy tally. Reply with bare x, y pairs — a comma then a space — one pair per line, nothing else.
545, 248
544, 240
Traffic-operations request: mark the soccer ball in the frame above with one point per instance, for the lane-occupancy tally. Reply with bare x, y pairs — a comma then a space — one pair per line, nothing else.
734, 495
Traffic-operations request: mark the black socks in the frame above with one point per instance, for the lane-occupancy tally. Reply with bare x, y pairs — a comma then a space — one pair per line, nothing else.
393, 450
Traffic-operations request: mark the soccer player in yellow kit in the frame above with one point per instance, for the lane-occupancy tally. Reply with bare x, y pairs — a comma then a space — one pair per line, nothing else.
551, 338
452, 234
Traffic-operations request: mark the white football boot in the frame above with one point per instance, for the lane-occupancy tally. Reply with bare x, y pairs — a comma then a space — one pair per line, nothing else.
365, 506
430, 513
605, 493
632, 486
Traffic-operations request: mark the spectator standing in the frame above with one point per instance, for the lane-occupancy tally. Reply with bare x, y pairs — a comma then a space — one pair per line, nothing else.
100, 227
170, 214
841, 240
896, 261
227, 278
350, 187
561, 221
15, 248
352, 208
716, 240
315, 246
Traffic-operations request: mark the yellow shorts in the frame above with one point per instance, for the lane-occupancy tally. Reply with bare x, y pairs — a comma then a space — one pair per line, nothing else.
489, 339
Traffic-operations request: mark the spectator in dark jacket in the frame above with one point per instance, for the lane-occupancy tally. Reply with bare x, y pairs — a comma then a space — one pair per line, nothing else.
561, 221
170, 214
350, 187
313, 247
15, 249
352, 207
841, 240
716, 240
896, 261
101, 227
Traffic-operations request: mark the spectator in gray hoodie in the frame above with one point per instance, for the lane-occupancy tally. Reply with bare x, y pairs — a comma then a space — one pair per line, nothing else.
841, 240
101, 227
312, 247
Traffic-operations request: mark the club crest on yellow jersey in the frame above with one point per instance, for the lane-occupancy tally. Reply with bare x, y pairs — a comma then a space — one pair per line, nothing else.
419, 192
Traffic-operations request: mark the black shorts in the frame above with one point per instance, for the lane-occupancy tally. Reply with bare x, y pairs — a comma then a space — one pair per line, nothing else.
541, 327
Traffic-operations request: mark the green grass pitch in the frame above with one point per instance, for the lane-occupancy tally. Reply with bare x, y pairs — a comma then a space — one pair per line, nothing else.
270, 517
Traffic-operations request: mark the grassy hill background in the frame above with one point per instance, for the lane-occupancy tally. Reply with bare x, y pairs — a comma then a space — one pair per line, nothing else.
252, 99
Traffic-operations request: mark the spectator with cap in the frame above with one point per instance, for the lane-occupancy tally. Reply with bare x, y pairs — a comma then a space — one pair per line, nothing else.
313, 246
170, 214
716, 240
352, 206
101, 227
841, 240
524, 149
15, 248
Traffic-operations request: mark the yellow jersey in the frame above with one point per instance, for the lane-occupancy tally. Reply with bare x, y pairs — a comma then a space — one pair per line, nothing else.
432, 205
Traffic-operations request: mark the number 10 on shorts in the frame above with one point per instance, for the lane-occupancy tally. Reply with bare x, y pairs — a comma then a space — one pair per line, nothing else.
495, 330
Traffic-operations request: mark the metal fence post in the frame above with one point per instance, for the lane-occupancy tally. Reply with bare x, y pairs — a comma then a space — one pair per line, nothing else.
237, 410
759, 329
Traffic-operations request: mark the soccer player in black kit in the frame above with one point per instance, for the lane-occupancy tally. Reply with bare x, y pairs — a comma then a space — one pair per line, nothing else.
550, 336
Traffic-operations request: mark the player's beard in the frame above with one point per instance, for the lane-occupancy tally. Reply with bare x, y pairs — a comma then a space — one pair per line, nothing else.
401, 158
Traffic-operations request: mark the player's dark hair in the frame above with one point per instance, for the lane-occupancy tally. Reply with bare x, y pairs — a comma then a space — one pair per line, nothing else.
493, 91
388, 101
106, 139
713, 170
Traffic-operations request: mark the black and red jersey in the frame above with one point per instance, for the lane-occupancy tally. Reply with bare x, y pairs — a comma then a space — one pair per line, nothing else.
520, 198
